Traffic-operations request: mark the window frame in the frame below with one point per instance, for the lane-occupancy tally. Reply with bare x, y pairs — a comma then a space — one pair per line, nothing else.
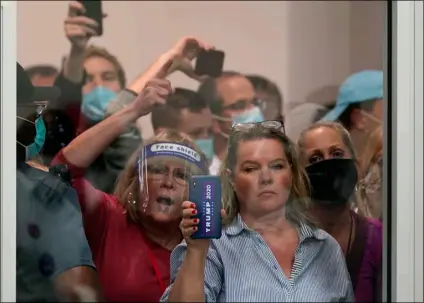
8, 151
406, 153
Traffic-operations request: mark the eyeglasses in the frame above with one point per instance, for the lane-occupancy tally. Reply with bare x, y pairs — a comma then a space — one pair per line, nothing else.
159, 172
271, 124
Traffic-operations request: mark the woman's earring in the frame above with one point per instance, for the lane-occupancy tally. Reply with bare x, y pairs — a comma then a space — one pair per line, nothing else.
130, 200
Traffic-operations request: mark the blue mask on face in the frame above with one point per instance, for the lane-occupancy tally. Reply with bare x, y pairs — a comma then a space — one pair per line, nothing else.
40, 136
250, 116
206, 146
94, 103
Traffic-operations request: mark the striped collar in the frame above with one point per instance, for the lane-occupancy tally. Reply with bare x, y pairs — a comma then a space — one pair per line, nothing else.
237, 226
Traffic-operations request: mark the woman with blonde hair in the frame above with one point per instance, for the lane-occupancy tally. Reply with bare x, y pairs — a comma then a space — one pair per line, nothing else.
132, 232
369, 194
268, 251
327, 152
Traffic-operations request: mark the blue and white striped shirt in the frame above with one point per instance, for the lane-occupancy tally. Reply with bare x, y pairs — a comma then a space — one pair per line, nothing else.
240, 267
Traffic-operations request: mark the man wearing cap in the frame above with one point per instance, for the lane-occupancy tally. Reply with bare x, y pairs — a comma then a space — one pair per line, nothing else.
359, 105
54, 261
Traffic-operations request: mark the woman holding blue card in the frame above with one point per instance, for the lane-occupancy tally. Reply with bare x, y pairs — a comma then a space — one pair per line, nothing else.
269, 250
132, 232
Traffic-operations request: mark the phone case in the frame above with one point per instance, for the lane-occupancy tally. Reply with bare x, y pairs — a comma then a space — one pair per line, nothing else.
210, 63
93, 10
205, 192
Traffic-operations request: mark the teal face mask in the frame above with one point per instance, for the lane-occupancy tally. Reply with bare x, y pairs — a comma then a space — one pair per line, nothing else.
206, 146
40, 136
94, 103
250, 116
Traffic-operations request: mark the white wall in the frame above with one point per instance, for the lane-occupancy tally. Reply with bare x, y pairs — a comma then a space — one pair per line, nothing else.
307, 47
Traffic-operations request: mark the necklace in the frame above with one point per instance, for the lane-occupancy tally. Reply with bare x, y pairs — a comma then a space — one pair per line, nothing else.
349, 244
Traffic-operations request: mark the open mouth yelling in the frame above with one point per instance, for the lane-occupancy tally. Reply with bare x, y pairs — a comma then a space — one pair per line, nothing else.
164, 200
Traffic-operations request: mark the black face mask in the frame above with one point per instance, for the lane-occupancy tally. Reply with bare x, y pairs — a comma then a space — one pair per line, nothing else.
333, 181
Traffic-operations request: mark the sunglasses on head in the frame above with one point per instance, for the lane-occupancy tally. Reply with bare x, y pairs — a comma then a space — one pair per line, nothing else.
271, 124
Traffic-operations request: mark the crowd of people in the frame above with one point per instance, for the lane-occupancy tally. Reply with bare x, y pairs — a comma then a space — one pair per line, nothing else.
103, 215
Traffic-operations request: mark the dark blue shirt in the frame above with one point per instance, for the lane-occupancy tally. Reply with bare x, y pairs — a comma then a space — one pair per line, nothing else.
50, 234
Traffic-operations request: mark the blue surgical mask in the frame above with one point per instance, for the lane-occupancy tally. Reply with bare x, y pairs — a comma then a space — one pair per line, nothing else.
94, 103
206, 146
40, 136
250, 116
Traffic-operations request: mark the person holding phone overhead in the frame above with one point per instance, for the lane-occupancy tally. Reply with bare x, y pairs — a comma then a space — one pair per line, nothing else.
132, 232
105, 90
269, 251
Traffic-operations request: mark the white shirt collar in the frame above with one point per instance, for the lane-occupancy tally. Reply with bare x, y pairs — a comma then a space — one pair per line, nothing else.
215, 166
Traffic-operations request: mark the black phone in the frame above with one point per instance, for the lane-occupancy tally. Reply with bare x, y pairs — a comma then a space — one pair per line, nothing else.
210, 63
93, 10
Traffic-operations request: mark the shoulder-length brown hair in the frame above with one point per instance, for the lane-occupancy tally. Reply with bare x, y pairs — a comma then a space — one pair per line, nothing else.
128, 187
298, 202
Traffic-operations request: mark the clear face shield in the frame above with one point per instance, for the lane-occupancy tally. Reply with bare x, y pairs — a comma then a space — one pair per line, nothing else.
164, 170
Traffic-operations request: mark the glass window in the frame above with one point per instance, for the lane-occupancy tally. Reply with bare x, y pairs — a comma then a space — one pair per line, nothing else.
321, 71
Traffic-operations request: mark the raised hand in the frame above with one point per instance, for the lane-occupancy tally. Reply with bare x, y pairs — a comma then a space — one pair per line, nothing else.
78, 28
189, 225
155, 92
183, 52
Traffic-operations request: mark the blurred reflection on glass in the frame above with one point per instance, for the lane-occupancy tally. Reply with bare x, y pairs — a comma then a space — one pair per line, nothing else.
42, 74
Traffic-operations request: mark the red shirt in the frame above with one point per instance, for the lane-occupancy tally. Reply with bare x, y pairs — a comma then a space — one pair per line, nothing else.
124, 257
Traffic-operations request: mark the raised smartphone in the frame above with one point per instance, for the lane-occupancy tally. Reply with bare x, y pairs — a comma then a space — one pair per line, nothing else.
205, 192
93, 10
210, 63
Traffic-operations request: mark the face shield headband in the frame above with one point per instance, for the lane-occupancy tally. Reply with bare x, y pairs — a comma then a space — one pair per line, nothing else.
196, 161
